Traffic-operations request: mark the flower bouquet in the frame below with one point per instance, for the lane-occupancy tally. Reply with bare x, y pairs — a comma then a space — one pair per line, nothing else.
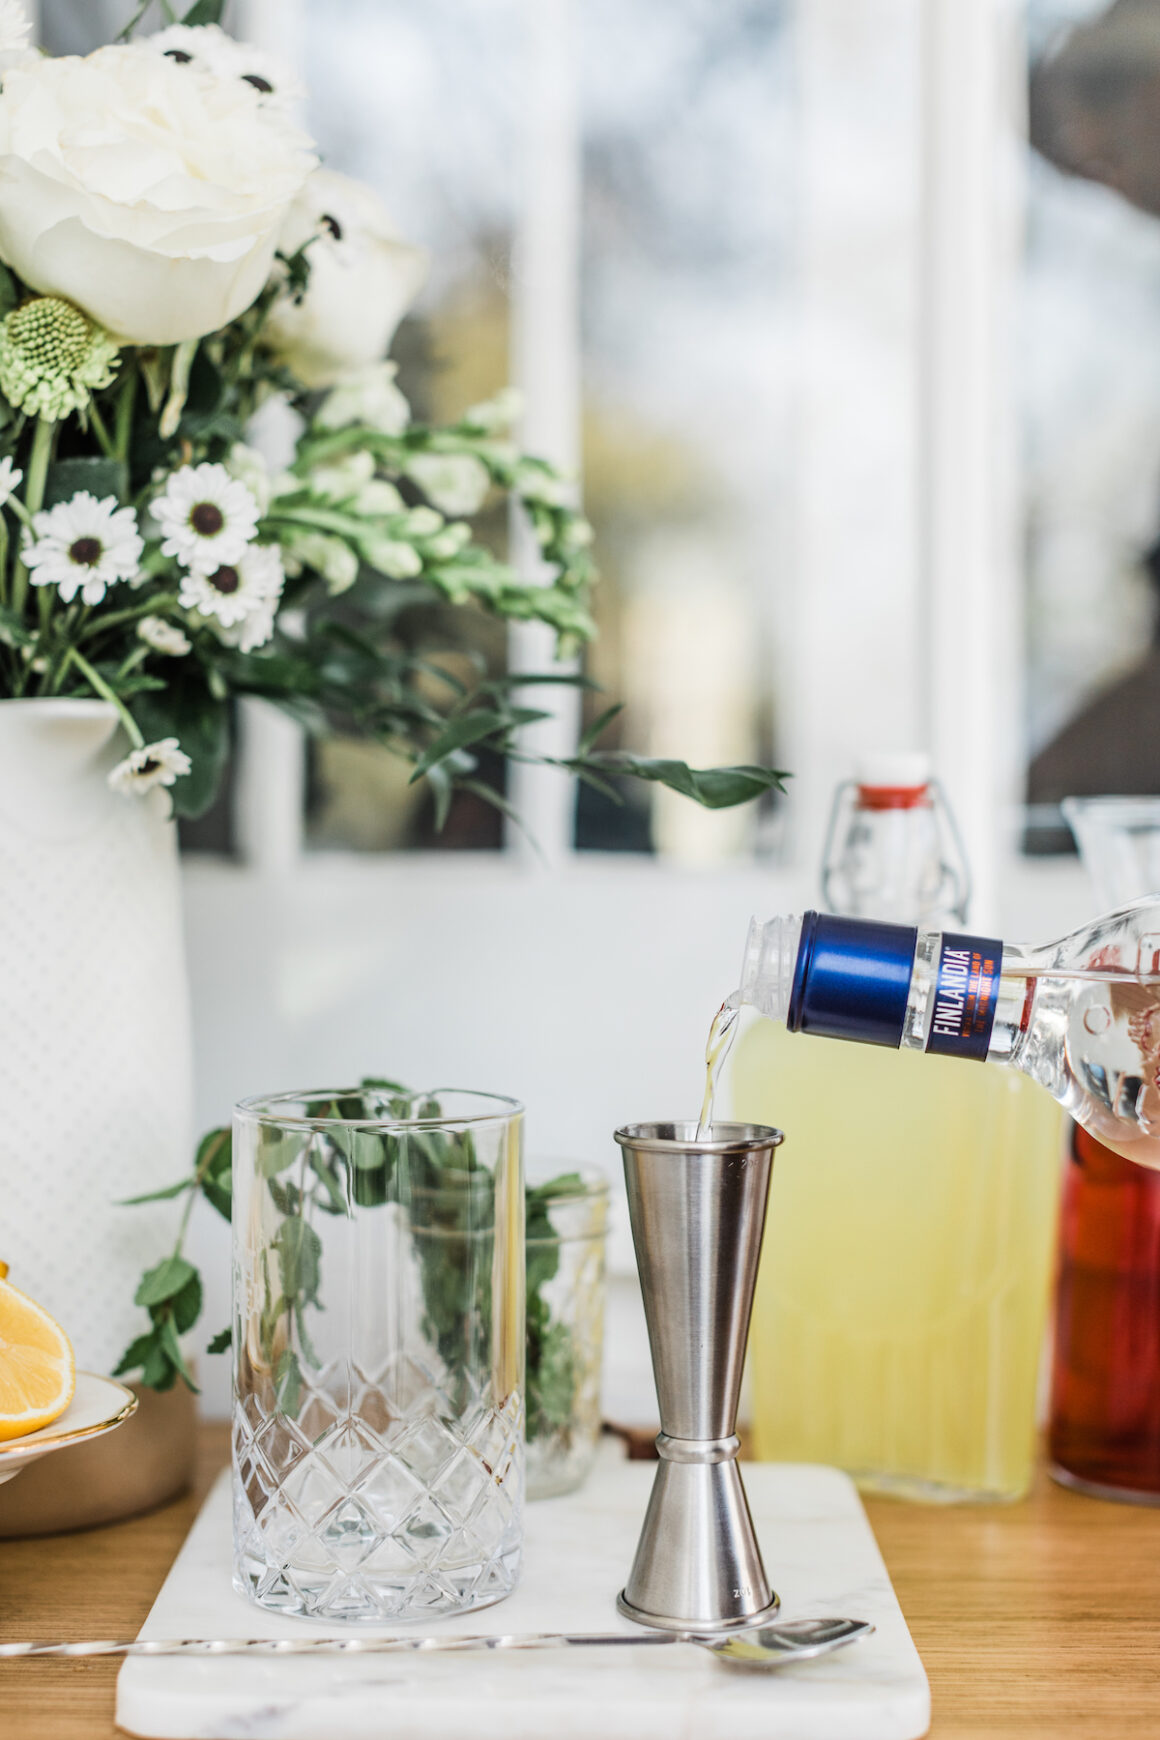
211, 485
183, 290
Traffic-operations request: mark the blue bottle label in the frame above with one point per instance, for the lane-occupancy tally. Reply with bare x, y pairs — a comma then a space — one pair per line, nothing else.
966, 992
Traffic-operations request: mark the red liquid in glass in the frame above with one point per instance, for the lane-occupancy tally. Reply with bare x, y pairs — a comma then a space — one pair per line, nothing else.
1105, 1401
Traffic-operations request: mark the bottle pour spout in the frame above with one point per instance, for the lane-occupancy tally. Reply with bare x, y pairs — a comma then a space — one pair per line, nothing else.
767, 969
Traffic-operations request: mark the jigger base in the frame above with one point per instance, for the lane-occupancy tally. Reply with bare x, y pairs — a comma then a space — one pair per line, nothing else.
658, 1622
698, 1566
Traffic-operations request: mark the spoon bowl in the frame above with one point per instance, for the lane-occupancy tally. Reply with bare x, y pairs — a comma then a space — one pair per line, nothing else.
774, 1646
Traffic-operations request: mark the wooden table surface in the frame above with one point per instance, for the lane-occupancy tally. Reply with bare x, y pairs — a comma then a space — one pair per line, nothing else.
1041, 1618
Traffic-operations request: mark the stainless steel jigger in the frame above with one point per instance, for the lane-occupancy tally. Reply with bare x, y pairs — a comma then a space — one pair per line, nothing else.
698, 1212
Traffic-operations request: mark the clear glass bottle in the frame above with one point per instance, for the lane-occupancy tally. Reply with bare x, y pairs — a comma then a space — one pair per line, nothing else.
905, 1275
1080, 1016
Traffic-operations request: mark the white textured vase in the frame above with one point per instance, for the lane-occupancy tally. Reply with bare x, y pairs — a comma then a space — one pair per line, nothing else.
94, 1025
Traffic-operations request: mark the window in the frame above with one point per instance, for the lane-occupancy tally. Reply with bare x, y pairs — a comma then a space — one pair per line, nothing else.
1092, 403
668, 193
758, 264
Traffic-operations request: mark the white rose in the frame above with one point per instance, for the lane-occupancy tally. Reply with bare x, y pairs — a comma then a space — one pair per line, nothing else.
148, 193
456, 483
363, 278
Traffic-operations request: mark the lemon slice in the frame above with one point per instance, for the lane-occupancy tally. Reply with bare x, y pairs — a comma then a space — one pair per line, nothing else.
38, 1373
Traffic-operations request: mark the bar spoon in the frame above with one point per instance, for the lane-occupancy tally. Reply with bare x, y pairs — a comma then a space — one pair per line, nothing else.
767, 1646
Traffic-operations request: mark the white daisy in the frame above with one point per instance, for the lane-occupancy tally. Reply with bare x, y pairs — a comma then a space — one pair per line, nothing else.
163, 637
210, 49
84, 545
154, 764
254, 630
369, 396
11, 477
236, 591
207, 517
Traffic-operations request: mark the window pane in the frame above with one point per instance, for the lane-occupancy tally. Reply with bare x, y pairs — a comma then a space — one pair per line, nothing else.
1092, 403
422, 103
688, 174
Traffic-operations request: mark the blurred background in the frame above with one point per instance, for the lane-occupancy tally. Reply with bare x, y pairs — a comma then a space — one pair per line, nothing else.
848, 312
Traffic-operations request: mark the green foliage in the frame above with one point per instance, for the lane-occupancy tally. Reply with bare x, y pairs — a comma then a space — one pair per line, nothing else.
205, 12
187, 709
100, 476
714, 788
450, 1199
171, 1293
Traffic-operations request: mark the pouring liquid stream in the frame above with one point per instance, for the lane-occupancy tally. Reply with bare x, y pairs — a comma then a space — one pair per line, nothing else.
722, 1033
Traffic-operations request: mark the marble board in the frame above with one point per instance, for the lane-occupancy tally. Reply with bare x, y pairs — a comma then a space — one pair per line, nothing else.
819, 1550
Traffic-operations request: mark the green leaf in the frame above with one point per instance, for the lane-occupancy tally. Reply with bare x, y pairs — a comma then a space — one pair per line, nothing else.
186, 710
599, 726
165, 1281
221, 1342
299, 1251
552, 1374
137, 1353
328, 1168
159, 1371
12, 629
459, 732
101, 477
205, 12
287, 1198
172, 1350
715, 788
288, 1382
186, 1305
276, 1151
304, 1340
214, 1165
218, 1196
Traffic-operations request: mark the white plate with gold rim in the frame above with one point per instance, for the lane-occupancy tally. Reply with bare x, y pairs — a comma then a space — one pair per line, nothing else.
99, 1405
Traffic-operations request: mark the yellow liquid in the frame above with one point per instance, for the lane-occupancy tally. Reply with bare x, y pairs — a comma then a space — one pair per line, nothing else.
905, 1273
722, 1033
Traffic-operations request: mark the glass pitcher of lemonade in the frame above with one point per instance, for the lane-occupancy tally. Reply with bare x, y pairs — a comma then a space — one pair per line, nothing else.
907, 1261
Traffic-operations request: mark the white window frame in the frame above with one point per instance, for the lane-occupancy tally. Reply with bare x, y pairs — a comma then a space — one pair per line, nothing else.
933, 573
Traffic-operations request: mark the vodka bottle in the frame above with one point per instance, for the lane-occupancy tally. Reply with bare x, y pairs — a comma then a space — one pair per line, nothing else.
1081, 1016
